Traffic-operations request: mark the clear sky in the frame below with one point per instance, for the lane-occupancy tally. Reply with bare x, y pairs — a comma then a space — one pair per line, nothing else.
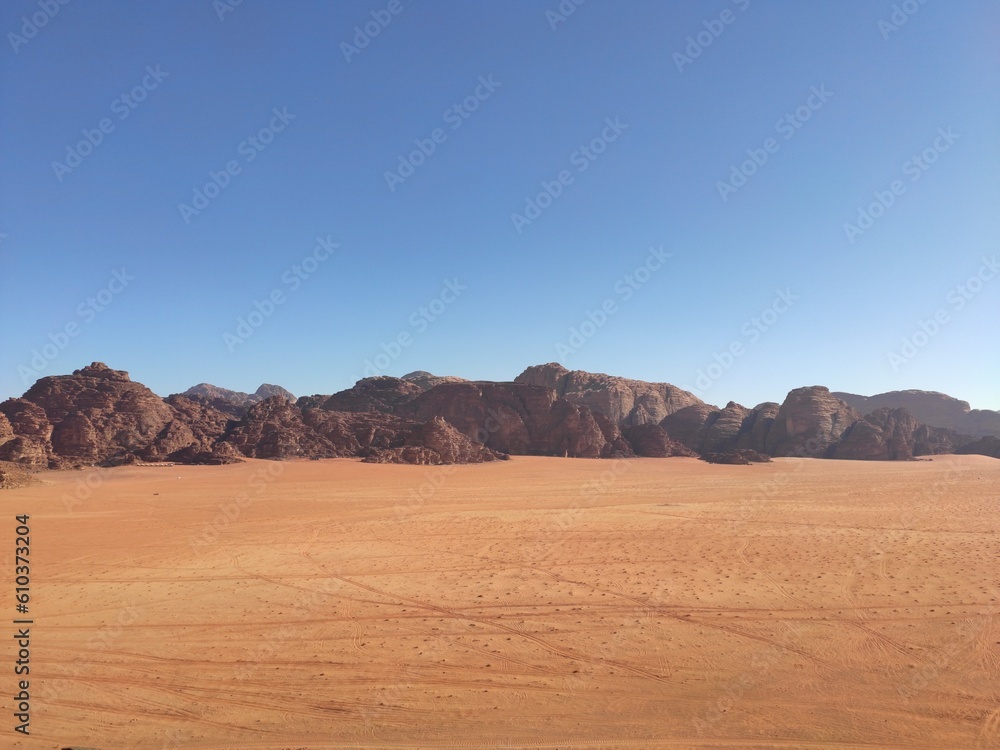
480, 180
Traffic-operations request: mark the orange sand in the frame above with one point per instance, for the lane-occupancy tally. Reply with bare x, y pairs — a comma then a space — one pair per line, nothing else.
535, 603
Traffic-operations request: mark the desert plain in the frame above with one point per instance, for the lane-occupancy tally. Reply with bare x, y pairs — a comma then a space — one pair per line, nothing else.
531, 603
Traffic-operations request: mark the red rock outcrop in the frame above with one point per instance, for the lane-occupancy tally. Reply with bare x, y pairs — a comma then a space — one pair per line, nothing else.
883, 435
98, 413
984, 446
6, 431
519, 419
213, 393
433, 443
205, 422
931, 408
652, 441
739, 457
687, 425
357, 433
624, 401
426, 380
274, 428
382, 394
723, 430
808, 422
29, 451
753, 434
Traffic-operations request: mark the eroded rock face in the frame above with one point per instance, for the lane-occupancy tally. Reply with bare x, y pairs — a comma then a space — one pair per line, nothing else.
687, 426
883, 435
753, 434
213, 394
723, 431
624, 401
274, 428
426, 380
357, 433
28, 451
26, 418
652, 441
985, 446
97, 412
931, 408
6, 431
381, 394
739, 456
205, 422
433, 443
808, 422
99, 416
519, 419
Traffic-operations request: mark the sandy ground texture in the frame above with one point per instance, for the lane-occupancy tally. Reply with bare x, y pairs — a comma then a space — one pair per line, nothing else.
535, 603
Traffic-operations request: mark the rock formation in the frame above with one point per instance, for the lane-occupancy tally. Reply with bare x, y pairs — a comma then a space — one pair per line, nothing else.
212, 393
520, 419
931, 408
100, 416
435, 442
808, 422
626, 402
740, 456
652, 441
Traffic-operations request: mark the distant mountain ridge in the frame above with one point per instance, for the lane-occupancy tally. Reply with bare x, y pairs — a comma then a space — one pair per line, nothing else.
931, 408
209, 391
98, 415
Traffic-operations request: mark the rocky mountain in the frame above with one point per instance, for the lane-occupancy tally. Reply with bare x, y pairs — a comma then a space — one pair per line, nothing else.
808, 422
931, 408
433, 443
426, 381
626, 402
515, 418
99, 415
213, 393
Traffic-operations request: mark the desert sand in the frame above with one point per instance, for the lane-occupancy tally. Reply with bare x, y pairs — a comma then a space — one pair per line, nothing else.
534, 603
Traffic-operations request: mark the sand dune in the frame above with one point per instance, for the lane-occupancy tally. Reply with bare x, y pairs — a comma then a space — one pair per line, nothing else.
535, 603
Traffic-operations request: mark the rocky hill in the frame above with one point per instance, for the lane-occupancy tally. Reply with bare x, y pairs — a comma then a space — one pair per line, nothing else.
626, 402
212, 393
99, 415
931, 408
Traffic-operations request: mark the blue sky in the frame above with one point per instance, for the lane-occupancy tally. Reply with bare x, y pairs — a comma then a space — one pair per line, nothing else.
755, 288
